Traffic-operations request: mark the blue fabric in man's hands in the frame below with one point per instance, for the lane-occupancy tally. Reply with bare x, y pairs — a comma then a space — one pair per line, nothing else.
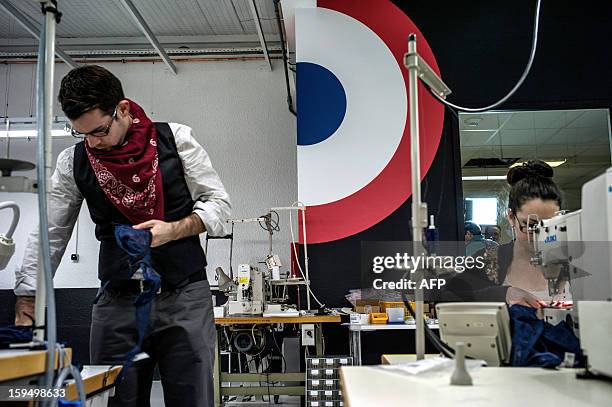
137, 244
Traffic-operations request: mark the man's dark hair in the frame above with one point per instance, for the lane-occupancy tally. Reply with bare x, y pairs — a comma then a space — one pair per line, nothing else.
89, 87
532, 180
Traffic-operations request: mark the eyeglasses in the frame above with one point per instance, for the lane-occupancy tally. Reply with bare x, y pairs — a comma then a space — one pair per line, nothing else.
524, 225
96, 133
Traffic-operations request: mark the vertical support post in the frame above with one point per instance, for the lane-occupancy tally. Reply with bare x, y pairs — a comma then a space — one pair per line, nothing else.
45, 295
217, 366
417, 221
355, 345
318, 339
306, 258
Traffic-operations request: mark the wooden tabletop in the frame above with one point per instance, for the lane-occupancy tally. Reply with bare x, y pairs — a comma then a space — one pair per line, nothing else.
15, 364
95, 378
308, 319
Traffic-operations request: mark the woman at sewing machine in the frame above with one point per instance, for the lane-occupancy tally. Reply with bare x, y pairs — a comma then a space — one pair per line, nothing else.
508, 273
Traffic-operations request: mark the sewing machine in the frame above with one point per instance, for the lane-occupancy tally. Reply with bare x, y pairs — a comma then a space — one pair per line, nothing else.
557, 241
248, 298
576, 247
252, 291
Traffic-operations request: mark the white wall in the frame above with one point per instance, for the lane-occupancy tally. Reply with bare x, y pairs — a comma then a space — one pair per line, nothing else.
239, 114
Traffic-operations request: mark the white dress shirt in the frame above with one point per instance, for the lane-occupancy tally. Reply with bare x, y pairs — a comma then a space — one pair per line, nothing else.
212, 203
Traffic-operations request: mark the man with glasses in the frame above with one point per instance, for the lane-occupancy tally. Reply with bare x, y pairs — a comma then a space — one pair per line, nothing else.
153, 176
99, 132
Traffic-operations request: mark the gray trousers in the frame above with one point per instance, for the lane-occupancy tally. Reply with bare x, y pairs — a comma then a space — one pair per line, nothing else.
180, 340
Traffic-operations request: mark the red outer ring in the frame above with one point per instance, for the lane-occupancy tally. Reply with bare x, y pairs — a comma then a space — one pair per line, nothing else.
392, 187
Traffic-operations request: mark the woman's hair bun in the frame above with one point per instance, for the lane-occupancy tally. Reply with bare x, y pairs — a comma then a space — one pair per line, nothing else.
529, 169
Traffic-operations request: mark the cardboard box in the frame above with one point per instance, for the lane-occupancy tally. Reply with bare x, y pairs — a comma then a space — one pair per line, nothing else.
360, 309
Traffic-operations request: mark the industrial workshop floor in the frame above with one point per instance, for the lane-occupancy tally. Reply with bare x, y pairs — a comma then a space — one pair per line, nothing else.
157, 399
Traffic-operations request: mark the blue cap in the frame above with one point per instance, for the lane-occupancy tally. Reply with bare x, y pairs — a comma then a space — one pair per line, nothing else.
473, 228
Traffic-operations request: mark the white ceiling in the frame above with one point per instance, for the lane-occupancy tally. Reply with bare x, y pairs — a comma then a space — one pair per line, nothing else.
215, 21
582, 137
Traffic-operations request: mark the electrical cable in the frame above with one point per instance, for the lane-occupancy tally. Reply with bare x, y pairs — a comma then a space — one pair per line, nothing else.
231, 253
297, 258
69, 370
267, 372
253, 334
284, 369
76, 238
7, 90
281, 32
322, 339
437, 342
274, 224
534, 42
16, 213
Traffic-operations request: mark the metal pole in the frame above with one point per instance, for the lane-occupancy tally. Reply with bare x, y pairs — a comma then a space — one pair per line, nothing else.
306, 256
300, 207
44, 111
417, 228
262, 39
39, 307
144, 27
32, 29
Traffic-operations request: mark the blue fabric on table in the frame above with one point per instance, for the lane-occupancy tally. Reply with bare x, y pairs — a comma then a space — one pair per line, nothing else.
537, 343
65, 403
14, 334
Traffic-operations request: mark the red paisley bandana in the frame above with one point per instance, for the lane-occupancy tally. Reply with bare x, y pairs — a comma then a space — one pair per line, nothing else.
129, 175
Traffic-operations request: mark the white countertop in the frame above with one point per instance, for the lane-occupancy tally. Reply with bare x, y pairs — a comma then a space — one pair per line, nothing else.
383, 327
369, 386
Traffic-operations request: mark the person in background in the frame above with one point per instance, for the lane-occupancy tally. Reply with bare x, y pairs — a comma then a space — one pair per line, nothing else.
493, 232
474, 240
508, 273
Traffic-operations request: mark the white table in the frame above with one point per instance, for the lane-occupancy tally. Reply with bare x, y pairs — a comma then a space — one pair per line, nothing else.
355, 331
369, 386
395, 359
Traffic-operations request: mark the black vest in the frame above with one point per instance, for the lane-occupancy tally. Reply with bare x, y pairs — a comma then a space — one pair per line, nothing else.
175, 260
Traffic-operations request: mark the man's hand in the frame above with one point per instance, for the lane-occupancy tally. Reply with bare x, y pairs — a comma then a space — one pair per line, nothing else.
516, 295
24, 310
164, 232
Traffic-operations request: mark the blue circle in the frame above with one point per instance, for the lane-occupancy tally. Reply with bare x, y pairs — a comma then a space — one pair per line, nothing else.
321, 103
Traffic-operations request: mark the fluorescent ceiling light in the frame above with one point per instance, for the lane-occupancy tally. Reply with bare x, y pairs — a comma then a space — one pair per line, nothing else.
483, 178
552, 163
